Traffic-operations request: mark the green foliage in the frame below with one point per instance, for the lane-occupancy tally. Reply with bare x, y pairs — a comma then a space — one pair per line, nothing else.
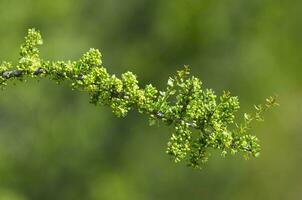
200, 119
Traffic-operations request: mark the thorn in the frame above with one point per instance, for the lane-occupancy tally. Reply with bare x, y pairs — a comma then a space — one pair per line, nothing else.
38, 71
80, 77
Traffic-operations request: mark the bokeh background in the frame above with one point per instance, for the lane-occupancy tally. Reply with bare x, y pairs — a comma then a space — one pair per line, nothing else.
55, 145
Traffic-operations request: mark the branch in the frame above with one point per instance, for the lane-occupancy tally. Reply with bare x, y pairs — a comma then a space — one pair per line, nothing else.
201, 120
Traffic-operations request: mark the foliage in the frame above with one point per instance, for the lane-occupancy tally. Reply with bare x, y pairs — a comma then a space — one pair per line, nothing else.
201, 120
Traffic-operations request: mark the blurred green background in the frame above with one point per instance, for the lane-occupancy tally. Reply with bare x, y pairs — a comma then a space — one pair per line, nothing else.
55, 145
